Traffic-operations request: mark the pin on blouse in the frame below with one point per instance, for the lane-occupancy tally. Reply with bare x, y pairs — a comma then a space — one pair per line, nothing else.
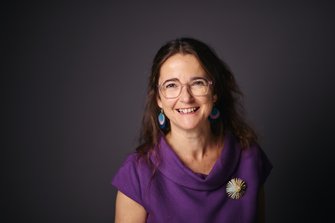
235, 188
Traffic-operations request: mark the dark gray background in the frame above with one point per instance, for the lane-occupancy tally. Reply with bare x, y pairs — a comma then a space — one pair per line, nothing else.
74, 78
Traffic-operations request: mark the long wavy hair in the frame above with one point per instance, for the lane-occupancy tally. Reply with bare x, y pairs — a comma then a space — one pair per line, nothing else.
224, 86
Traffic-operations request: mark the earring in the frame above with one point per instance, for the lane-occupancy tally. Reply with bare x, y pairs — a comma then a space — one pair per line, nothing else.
161, 119
215, 114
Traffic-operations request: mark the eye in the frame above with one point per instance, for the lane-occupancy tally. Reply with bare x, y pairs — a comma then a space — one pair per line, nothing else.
170, 85
199, 82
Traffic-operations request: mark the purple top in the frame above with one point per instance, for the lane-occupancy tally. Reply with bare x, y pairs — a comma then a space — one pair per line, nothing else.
177, 194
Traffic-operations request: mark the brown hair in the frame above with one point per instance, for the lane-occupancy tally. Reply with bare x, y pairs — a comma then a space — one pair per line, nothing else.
225, 87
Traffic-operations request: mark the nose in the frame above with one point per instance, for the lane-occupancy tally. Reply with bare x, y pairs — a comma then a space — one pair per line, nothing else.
186, 95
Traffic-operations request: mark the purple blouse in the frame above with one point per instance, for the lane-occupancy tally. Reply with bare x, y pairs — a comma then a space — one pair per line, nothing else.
177, 194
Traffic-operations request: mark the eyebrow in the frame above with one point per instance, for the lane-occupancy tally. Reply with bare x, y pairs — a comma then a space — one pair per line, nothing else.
192, 79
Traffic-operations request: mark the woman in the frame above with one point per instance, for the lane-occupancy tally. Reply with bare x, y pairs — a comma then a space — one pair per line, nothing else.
198, 160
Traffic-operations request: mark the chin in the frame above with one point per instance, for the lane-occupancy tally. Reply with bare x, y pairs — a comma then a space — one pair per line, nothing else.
190, 126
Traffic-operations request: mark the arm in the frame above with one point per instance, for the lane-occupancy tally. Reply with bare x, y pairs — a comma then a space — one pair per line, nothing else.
128, 210
261, 206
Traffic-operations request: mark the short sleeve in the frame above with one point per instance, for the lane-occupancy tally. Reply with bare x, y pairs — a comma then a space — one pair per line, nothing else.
265, 166
127, 179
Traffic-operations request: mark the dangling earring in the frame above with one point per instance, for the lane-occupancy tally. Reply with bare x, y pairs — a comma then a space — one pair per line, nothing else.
161, 119
215, 114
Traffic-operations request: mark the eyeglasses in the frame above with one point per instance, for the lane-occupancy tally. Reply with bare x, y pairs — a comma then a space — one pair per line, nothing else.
172, 88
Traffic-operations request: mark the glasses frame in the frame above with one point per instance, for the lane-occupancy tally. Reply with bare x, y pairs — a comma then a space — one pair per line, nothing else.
210, 83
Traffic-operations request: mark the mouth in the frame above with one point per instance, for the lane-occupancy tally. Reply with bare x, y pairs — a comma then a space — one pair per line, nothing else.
187, 110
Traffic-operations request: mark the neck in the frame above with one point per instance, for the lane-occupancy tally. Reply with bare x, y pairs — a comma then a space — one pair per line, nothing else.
193, 144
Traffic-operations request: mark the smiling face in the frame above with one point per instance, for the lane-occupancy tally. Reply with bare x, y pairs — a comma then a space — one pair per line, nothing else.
185, 112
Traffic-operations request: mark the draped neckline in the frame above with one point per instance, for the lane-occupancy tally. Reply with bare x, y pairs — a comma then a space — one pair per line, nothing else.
170, 165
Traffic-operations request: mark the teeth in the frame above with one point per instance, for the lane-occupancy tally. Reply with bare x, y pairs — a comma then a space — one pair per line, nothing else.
186, 110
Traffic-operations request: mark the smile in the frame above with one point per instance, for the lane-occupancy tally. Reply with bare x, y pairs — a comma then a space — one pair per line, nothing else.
187, 110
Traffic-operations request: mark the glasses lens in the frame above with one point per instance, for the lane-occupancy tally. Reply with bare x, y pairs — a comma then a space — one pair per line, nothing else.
171, 89
199, 87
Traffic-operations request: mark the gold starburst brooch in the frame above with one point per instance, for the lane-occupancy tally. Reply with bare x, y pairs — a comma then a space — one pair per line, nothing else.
235, 188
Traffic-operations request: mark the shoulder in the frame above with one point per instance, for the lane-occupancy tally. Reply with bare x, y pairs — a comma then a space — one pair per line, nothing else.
130, 159
255, 156
135, 168
133, 175
135, 163
252, 151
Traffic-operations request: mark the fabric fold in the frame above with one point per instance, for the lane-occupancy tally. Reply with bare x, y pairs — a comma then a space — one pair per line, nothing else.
172, 167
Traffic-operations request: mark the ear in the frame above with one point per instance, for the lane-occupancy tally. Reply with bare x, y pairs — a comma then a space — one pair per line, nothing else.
215, 98
159, 102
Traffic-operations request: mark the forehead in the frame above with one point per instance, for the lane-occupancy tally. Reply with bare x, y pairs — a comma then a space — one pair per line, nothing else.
183, 67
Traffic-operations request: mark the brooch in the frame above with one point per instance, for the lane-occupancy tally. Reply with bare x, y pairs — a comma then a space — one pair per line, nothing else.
236, 188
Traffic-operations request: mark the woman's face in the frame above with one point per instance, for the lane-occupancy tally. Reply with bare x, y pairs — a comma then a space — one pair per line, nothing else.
187, 111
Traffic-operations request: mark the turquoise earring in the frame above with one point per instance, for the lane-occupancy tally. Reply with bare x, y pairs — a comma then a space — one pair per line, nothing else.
162, 120
215, 114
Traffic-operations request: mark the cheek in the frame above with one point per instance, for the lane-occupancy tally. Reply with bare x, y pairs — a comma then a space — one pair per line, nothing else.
209, 100
168, 103
208, 106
